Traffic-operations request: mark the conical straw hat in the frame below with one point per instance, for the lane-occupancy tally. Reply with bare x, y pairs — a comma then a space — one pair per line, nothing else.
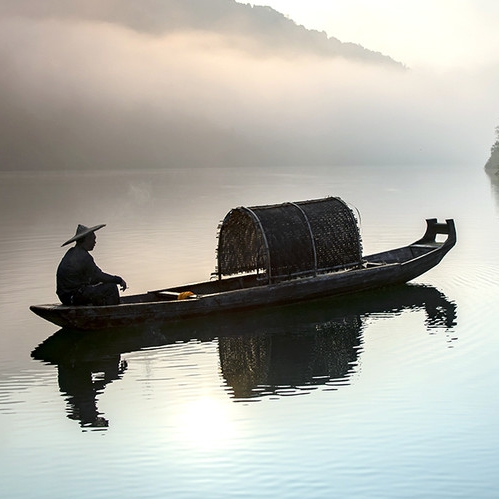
82, 231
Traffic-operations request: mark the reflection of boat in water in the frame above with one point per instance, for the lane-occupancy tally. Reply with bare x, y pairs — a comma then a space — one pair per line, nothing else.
281, 350
320, 344
271, 256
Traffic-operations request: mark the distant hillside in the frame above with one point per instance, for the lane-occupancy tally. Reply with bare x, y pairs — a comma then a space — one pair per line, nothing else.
273, 32
152, 84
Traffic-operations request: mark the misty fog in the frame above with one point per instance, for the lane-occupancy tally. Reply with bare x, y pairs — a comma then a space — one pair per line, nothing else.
82, 92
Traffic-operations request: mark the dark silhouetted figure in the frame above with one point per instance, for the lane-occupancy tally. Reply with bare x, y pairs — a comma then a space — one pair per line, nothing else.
79, 280
81, 387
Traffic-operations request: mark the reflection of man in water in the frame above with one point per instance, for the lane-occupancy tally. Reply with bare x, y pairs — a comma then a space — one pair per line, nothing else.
78, 382
79, 280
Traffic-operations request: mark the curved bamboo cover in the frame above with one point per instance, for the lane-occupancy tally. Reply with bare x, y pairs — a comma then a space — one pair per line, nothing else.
288, 240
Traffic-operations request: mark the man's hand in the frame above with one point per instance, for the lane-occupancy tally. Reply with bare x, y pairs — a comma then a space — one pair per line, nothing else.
123, 285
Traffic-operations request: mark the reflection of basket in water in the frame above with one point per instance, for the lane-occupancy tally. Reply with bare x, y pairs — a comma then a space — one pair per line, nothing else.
293, 360
289, 240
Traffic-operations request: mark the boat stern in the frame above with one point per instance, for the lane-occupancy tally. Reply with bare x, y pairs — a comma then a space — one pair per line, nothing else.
435, 228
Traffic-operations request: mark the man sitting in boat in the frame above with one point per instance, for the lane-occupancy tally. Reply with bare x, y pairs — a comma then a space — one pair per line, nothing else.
79, 280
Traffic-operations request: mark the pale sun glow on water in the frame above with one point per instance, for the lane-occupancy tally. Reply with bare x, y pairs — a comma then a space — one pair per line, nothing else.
206, 424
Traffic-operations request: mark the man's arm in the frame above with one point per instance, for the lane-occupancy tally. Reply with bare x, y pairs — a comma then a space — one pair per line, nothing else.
99, 276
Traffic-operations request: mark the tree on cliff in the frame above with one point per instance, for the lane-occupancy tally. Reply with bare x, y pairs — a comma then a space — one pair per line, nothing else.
495, 146
493, 162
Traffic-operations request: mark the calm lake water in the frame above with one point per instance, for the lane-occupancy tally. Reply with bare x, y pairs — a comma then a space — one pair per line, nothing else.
386, 395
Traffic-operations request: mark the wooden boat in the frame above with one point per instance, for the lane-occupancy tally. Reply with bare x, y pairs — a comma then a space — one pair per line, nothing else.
279, 254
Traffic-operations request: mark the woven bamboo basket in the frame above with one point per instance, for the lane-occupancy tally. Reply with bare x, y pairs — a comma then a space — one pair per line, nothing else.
289, 240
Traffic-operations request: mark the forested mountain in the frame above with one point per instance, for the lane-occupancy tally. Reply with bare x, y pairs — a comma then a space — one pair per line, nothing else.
265, 29
129, 84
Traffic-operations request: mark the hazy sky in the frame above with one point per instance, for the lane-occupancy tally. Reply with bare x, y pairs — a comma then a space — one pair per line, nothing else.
166, 83
440, 33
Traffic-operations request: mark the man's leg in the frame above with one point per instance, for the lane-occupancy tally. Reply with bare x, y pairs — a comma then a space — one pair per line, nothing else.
98, 294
